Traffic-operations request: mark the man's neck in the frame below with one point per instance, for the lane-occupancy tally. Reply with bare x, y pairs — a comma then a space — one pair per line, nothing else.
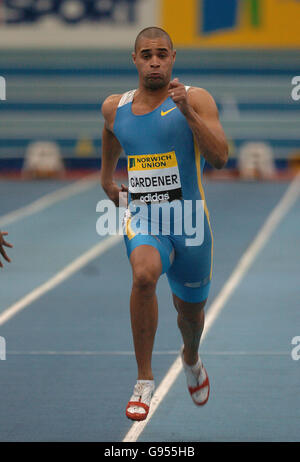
151, 97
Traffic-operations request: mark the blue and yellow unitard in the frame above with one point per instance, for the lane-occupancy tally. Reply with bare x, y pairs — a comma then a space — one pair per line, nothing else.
165, 167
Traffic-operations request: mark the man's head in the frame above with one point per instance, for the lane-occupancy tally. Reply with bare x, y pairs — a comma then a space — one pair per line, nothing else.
154, 57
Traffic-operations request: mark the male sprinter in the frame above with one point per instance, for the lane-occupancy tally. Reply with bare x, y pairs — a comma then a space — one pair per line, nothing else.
163, 119
2, 244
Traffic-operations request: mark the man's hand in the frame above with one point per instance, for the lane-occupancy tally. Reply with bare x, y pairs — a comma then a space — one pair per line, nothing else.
2, 244
178, 94
201, 113
113, 190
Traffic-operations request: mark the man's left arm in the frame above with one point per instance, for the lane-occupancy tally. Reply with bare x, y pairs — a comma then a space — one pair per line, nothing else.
201, 113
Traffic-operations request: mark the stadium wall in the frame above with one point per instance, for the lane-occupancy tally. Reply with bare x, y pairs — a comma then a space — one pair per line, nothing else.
58, 66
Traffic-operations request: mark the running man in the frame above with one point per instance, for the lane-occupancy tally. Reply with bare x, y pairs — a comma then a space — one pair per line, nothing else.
163, 119
2, 250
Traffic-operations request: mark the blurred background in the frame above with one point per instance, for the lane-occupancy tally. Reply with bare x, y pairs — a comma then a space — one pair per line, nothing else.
60, 59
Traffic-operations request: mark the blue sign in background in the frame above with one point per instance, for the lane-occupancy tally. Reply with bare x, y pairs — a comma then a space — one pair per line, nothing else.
217, 15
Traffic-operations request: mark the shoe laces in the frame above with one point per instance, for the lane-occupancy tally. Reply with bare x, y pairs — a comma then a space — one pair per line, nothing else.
143, 392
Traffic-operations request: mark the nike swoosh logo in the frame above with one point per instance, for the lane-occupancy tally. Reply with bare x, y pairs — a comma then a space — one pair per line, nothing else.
167, 112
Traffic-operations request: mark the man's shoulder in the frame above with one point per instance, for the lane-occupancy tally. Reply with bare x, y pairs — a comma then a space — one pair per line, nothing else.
200, 94
201, 99
110, 105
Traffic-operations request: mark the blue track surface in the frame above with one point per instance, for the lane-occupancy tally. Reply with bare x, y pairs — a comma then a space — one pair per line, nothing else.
70, 368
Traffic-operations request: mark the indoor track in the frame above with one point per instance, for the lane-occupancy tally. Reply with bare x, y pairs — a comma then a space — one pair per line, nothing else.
64, 299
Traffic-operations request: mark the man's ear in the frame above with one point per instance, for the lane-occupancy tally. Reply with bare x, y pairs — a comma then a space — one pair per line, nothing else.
133, 55
174, 56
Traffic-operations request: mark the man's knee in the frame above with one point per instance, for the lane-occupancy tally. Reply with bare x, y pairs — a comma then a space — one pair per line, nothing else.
145, 279
146, 268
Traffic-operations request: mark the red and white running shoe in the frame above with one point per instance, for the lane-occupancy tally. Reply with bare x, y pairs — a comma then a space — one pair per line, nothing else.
139, 403
197, 381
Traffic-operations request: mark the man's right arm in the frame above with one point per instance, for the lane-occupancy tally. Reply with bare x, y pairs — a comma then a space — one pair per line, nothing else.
111, 150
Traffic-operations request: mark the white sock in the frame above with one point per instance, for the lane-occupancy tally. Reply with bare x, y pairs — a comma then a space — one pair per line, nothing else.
195, 373
150, 382
195, 367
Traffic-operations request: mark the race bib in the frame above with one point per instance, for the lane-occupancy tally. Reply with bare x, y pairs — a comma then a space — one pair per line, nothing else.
154, 177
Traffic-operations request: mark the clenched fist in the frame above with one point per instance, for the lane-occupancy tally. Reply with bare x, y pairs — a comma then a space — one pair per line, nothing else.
178, 93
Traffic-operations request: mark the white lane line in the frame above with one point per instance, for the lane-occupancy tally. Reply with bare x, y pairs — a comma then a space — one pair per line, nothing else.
61, 276
86, 353
131, 353
49, 199
278, 213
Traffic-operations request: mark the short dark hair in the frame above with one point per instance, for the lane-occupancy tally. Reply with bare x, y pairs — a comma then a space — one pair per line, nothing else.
153, 32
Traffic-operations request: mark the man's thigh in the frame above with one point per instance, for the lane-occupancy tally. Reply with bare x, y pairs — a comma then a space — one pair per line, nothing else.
148, 250
190, 273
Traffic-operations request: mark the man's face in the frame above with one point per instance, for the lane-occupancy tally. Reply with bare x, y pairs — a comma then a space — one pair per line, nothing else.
154, 60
